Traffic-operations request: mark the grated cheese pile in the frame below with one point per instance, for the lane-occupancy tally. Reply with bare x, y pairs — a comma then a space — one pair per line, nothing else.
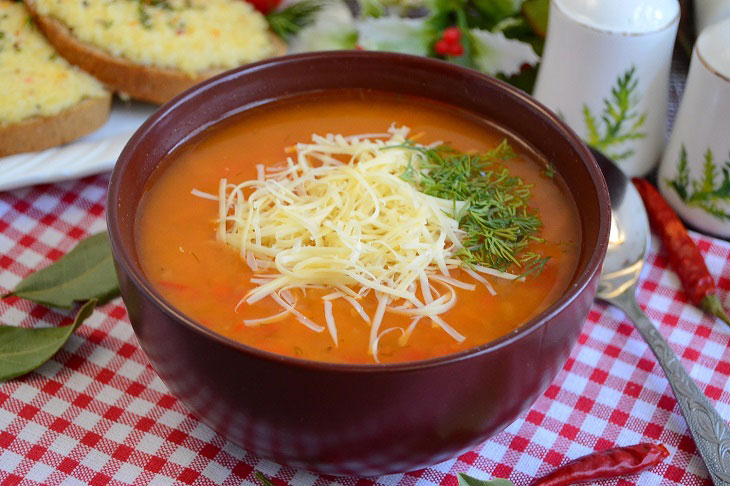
34, 80
338, 215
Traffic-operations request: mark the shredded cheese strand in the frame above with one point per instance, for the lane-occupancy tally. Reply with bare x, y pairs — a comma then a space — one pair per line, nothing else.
337, 214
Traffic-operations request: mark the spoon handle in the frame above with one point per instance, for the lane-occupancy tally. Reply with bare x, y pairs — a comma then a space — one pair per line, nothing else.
709, 430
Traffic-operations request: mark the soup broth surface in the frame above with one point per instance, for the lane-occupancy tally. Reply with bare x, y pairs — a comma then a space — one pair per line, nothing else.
205, 279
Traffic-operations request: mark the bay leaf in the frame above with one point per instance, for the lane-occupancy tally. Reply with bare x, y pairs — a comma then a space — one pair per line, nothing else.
465, 480
86, 272
24, 349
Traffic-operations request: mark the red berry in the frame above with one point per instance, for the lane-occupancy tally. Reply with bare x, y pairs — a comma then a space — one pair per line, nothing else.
452, 35
264, 6
442, 48
456, 50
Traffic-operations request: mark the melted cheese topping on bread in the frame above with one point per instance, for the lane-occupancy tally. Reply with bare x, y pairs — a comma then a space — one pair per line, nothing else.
193, 36
34, 80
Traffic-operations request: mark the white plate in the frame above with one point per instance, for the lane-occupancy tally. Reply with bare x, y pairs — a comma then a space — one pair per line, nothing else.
92, 154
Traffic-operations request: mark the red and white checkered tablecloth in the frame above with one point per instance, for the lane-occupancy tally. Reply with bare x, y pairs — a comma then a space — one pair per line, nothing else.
98, 414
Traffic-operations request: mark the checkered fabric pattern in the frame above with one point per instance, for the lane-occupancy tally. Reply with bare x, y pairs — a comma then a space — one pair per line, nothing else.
97, 413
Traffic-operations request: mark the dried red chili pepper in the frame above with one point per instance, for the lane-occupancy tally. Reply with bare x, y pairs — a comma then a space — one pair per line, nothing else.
608, 463
684, 256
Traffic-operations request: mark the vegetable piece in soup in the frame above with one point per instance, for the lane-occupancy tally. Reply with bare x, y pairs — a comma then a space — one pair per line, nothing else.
358, 227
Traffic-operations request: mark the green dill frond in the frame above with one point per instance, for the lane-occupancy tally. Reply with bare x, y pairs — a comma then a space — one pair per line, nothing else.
144, 17
534, 267
498, 222
549, 171
290, 20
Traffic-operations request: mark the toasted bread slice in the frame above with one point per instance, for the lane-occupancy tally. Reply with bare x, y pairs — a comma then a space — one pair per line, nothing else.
146, 82
41, 132
44, 100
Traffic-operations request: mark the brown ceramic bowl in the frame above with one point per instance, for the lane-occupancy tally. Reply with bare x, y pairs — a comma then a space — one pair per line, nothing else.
355, 419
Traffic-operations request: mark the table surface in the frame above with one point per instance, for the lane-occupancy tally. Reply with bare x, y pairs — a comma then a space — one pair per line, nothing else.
97, 413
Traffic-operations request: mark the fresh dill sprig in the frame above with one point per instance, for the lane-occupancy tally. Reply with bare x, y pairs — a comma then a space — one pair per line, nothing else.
289, 21
549, 171
144, 17
497, 220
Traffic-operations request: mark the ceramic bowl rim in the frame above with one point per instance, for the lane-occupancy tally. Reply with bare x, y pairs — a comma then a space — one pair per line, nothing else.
128, 264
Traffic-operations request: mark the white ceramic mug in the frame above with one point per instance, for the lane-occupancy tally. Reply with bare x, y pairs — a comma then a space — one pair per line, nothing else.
694, 175
605, 71
708, 12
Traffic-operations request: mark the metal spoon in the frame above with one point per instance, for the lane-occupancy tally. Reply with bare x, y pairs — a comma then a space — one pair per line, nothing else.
627, 248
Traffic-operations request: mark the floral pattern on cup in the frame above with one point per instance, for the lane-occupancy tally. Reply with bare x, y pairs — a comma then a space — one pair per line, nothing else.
708, 193
605, 68
620, 122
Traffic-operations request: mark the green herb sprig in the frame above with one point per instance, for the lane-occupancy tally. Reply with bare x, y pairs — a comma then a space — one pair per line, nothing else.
520, 23
497, 219
144, 17
288, 21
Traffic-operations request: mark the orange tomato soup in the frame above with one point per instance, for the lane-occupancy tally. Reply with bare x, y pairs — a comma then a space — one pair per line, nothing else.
205, 279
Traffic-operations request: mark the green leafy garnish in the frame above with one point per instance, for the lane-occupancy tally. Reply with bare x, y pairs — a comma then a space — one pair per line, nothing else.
106, 23
289, 21
536, 14
495, 36
549, 171
497, 219
465, 480
86, 272
707, 192
480, 14
371, 8
620, 122
144, 17
24, 349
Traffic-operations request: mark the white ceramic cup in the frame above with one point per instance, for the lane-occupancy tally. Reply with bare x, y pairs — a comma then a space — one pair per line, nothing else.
605, 71
694, 175
708, 12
